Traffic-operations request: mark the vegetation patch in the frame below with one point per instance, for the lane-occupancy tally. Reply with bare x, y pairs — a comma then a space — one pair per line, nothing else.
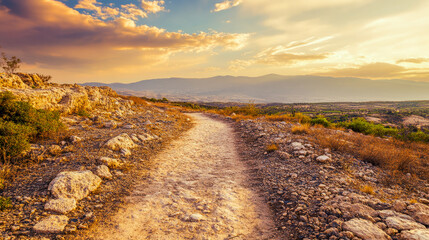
20, 123
5, 203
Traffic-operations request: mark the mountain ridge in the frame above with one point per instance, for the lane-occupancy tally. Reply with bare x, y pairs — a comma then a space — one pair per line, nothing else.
275, 88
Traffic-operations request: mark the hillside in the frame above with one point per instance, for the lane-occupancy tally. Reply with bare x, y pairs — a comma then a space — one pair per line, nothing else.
127, 168
275, 88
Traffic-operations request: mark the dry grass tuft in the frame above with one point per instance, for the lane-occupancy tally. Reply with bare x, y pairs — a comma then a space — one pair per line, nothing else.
367, 189
272, 147
301, 129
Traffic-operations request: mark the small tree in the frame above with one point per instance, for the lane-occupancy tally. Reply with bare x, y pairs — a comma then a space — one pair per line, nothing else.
10, 65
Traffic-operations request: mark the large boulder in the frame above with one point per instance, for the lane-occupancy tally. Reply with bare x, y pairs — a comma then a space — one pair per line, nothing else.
51, 224
364, 229
119, 142
61, 205
75, 185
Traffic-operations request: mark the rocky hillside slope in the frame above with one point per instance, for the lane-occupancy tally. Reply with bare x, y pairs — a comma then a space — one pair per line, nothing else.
321, 193
81, 176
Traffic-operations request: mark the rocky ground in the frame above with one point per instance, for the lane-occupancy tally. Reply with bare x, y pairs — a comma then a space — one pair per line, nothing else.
317, 193
81, 179
83, 176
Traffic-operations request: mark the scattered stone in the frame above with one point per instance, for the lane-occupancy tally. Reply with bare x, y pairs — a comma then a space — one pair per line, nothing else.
61, 205
145, 137
51, 224
323, 159
195, 217
103, 172
129, 126
399, 205
364, 229
358, 209
75, 139
110, 162
389, 213
403, 224
54, 149
110, 124
75, 185
415, 234
420, 212
122, 141
297, 145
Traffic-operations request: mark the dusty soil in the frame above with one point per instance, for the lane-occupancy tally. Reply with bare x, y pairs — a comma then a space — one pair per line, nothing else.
199, 190
28, 189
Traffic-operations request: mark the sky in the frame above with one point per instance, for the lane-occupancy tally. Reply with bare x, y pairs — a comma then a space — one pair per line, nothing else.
79, 41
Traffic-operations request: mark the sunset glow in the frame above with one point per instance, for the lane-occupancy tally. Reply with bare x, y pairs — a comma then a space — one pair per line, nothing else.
132, 40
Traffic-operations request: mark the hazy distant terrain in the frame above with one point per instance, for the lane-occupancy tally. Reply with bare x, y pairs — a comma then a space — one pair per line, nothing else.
275, 88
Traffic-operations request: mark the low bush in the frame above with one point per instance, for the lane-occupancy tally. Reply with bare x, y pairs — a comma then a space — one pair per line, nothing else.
20, 123
362, 126
320, 120
5, 203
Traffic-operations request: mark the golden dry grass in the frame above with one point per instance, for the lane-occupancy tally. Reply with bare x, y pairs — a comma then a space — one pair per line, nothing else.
272, 147
301, 129
391, 154
367, 189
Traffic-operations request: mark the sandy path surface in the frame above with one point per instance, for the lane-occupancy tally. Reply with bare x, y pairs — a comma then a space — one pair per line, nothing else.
198, 191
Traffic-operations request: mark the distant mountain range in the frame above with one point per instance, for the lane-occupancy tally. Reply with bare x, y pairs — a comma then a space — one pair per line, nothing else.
274, 88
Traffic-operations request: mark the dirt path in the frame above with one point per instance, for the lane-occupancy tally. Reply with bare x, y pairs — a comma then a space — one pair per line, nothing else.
198, 191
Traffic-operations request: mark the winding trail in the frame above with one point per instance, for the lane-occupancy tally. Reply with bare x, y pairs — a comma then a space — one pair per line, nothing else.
198, 191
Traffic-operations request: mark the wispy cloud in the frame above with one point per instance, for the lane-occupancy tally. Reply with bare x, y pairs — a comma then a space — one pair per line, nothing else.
227, 4
278, 55
413, 60
380, 70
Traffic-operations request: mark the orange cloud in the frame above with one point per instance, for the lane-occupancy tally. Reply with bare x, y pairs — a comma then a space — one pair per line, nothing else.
102, 12
131, 11
153, 6
226, 5
49, 33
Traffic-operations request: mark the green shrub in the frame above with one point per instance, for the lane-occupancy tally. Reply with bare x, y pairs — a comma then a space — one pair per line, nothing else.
320, 120
5, 203
14, 138
362, 126
83, 113
21, 123
418, 136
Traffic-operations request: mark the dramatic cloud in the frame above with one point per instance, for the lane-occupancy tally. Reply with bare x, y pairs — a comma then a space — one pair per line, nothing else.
153, 6
227, 4
49, 33
413, 60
